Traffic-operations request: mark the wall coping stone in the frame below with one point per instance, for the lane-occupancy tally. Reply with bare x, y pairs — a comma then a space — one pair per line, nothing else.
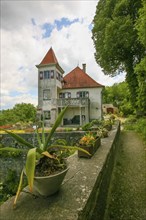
72, 198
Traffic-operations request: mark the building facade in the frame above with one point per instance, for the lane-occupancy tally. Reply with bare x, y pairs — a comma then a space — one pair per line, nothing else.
77, 89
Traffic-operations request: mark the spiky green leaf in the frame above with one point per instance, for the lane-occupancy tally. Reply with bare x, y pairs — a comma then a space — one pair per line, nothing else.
38, 138
70, 148
19, 139
43, 134
12, 149
30, 167
19, 188
55, 126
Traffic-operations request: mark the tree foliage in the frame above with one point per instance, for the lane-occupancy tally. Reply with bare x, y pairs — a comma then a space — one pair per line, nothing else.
117, 44
140, 68
118, 95
141, 23
20, 113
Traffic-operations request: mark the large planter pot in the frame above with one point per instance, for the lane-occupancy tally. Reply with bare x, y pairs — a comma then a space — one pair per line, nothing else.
48, 185
91, 149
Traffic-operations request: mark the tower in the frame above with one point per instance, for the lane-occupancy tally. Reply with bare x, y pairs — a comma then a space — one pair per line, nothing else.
50, 77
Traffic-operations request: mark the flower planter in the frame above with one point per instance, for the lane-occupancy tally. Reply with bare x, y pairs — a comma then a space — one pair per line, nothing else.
91, 149
48, 185
108, 127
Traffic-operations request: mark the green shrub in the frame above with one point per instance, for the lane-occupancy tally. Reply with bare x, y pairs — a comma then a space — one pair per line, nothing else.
138, 125
93, 123
86, 127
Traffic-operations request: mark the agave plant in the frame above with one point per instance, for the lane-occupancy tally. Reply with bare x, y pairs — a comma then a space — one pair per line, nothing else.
35, 153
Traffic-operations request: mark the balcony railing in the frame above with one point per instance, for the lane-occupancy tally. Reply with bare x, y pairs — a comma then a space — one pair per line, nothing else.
72, 102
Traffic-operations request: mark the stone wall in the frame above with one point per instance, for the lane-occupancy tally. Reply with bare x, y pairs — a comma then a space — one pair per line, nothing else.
17, 163
71, 137
96, 205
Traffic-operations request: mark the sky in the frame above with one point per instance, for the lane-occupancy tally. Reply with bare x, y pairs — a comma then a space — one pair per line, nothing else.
29, 29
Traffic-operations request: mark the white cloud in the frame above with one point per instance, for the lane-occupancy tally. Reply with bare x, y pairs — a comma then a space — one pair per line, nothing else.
8, 101
22, 45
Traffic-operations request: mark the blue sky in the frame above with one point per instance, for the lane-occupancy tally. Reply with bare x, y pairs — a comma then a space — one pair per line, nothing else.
58, 24
29, 29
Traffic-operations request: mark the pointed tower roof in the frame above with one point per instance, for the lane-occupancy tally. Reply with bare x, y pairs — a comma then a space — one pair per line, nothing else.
50, 59
77, 78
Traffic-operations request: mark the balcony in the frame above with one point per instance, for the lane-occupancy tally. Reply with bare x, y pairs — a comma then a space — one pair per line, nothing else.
74, 102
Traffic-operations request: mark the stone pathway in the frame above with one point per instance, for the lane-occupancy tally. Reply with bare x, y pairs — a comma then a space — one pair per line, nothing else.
127, 194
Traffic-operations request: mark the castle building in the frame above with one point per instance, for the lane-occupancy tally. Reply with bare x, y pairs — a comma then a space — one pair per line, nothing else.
77, 89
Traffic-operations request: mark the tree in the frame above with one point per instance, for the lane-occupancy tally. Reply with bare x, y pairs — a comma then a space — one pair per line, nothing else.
7, 117
20, 113
141, 23
118, 95
25, 112
140, 68
116, 40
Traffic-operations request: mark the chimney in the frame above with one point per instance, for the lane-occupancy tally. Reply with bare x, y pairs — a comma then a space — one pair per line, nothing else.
84, 67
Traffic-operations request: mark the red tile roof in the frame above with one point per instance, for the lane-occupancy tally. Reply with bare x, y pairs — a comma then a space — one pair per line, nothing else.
49, 58
77, 78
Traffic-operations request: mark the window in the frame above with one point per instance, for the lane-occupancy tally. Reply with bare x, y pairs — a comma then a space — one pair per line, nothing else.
57, 75
65, 95
41, 75
52, 74
83, 94
46, 94
61, 78
46, 74
47, 115
69, 94
60, 95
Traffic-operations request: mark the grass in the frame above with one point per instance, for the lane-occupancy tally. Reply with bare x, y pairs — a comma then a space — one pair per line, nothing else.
126, 200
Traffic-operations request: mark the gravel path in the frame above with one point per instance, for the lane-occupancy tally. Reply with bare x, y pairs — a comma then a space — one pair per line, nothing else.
127, 194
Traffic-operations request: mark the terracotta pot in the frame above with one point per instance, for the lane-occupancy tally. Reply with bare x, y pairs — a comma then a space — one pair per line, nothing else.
91, 149
48, 185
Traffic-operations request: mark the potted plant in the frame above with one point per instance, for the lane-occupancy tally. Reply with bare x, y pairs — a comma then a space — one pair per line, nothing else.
43, 162
89, 142
102, 132
107, 124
